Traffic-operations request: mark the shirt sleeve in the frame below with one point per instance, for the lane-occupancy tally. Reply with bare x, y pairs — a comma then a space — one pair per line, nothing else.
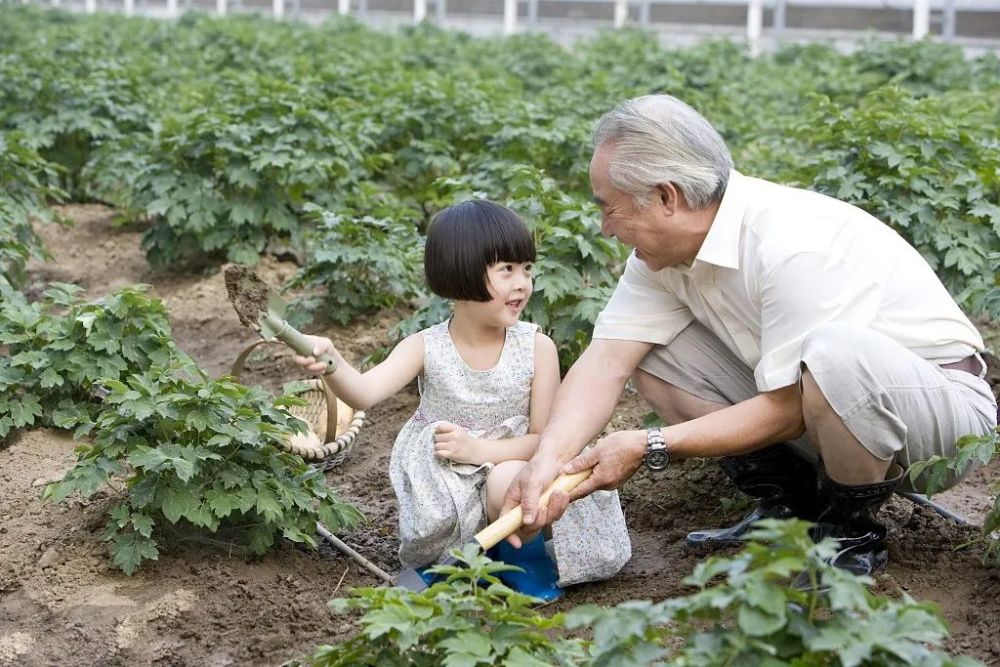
805, 291
642, 308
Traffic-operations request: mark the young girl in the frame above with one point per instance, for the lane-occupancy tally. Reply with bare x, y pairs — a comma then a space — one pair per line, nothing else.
487, 382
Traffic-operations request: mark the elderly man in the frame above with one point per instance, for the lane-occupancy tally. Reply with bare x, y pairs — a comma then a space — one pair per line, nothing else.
793, 336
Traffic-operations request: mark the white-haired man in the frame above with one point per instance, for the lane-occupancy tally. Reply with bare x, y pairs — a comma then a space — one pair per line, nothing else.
794, 336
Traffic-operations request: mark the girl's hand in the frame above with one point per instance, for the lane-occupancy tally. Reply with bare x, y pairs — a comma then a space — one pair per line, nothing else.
454, 443
320, 346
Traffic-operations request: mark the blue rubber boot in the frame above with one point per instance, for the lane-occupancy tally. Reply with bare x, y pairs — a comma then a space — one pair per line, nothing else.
539, 577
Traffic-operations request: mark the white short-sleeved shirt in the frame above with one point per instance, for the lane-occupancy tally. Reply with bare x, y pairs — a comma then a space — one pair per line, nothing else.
778, 262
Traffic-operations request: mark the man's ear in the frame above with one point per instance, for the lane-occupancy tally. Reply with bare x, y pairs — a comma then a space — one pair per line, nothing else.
668, 196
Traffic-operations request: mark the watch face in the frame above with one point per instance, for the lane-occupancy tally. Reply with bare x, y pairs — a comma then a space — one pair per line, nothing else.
658, 459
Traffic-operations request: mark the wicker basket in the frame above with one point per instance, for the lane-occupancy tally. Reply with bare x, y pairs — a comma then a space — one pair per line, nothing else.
332, 424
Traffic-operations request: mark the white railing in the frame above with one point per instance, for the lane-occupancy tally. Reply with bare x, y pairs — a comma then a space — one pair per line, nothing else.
921, 11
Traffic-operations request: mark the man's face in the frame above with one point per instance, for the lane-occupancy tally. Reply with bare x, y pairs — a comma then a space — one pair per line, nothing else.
652, 230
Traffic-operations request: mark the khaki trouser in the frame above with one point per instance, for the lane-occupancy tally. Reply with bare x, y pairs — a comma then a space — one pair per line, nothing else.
898, 405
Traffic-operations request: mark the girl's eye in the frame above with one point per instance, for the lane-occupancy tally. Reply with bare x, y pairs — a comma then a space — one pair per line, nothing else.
528, 268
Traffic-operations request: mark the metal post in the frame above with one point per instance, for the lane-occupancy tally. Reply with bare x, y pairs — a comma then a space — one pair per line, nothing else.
278, 8
948, 27
921, 18
220, 7
90, 6
440, 9
129, 7
343, 7
755, 21
172, 9
509, 17
779, 18
621, 13
419, 10
644, 13
532, 14
56, 3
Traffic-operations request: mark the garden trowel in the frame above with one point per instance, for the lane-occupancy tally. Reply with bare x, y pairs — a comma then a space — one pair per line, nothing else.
499, 530
264, 311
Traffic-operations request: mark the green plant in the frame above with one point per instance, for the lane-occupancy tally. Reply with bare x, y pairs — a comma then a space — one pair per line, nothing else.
779, 602
359, 265
59, 348
470, 618
236, 164
24, 178
776, 603
202, 452
938, 470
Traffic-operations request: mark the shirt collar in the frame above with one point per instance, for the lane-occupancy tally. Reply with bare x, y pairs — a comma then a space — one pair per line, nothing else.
721, 246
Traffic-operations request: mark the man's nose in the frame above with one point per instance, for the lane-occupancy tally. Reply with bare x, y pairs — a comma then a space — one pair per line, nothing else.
606, 229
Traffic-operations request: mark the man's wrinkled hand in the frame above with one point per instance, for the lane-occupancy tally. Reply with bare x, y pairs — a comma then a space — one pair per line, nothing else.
525, 490
614, 459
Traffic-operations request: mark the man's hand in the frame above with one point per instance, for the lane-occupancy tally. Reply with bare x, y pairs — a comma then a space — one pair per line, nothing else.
529, 484
614, 459
454, 443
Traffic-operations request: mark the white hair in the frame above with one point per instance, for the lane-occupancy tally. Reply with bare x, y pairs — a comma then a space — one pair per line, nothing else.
659, 139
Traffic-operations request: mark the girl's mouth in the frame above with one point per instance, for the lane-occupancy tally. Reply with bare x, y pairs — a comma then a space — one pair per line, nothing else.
515, 303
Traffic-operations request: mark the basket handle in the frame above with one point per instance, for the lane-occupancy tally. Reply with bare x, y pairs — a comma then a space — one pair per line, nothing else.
331, 399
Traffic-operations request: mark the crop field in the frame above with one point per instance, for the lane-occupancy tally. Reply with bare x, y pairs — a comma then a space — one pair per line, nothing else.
147, 516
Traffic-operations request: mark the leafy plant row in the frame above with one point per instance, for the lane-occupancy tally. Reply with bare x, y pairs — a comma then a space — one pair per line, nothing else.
234, 137
24, 187
777, 602
173, 448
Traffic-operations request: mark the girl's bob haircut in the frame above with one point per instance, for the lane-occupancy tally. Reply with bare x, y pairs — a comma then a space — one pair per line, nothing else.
464, 240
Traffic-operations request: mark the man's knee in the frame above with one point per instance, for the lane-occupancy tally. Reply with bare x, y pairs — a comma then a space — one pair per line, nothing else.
672, 404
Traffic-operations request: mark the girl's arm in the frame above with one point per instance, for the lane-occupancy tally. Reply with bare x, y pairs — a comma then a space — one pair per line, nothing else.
452, 442
363, 390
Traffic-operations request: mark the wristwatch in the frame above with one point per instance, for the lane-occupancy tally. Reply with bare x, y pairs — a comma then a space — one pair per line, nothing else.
657, 457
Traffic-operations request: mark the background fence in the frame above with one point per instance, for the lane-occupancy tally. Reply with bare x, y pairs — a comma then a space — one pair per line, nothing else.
948, 19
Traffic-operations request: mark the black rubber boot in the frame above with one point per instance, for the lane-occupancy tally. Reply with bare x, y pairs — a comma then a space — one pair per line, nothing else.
783, 483
850, 519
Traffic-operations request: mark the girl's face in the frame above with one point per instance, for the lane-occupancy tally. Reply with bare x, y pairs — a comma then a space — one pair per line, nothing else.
509, 283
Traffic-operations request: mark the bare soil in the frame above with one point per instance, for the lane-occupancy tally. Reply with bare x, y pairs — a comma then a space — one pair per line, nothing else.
63, 603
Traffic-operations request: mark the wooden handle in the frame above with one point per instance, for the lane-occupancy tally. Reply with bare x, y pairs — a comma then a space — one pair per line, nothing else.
503, 527
294, 339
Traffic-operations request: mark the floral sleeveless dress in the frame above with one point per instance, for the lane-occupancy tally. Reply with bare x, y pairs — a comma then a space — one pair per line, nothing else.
442, 504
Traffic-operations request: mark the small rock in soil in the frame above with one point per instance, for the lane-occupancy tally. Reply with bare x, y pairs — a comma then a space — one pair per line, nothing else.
49, 559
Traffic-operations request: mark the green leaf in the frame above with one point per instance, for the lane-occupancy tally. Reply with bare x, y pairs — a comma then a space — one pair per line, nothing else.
24, 409
178, 502
268, 506
129, 550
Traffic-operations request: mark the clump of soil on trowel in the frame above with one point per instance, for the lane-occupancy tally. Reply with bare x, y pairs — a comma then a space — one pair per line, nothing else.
248, 294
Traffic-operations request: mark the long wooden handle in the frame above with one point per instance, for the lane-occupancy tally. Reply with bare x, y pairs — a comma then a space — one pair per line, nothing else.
503, 527
294, 339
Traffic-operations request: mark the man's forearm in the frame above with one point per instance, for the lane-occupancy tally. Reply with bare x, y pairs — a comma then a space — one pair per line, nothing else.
741, 428
583, 406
